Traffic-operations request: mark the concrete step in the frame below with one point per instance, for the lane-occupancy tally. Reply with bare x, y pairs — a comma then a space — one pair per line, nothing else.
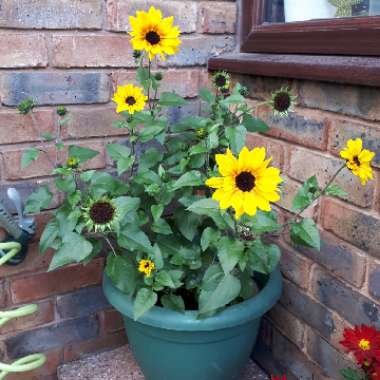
120, 364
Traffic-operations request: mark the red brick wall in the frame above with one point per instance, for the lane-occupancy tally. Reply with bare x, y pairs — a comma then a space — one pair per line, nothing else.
339, 286
74, 53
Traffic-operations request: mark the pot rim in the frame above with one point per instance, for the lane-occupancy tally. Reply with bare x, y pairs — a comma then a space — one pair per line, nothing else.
232, 316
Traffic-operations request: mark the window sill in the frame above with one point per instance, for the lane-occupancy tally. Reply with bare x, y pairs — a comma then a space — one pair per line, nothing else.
340, 69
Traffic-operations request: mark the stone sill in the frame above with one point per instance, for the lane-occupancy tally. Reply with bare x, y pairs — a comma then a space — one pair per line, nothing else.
339, 69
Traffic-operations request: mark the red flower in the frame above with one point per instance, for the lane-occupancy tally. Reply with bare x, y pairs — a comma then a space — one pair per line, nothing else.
283, 377
364, 342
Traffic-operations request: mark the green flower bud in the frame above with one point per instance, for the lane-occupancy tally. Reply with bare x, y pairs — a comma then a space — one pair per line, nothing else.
61, 110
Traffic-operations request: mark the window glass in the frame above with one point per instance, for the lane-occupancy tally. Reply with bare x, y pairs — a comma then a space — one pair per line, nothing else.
303, 10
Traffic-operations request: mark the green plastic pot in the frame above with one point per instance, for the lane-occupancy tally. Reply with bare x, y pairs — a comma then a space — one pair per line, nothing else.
172, 346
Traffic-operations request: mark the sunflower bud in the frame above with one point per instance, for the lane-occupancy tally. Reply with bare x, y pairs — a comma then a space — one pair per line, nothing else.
244, 91
61, 110
137, 54
26, 106
158, 76
72, 163
201, 132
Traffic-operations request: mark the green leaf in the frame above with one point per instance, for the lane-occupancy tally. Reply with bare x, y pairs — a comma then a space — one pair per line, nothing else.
306, 194
229, 253
335, 191
49, 235
66, 184
143, 77
191, 178
47, 136
75, 248
30, 155
156, 211
263, 258
132, 238
165, 279
150, 158
187, 223
126, 204
173, 302
82, 154
306, 233
121, 154
209, 236
233, 99
122, 272
38, 200
206, 95
236, 137
253, 124
264, 222
351, 374
226, 291
145, 300
151, 131
171, 99
161, 226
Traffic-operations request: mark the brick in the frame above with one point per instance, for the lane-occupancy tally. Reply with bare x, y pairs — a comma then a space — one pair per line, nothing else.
358, 101
17, 128
284, 356
61, 281
340, 258
55, 87
3, 293
183, 82
44, 315
289, 325
111, 321
307, 130
76, 351
326, 356
274, 148
184, 12
289, 190
92, 51
47, 372
92, 121
43, 166
374, 280
197, 50
81, 303
294, 266
51, 14
343, 130
303, 164
308, 310
22, 50
358, 228
217, 17
350, 304
52, 336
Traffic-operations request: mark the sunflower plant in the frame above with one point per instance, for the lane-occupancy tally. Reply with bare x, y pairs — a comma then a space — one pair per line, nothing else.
186, 215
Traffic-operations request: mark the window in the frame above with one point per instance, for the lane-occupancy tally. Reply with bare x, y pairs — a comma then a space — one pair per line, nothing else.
308, 42
301, 26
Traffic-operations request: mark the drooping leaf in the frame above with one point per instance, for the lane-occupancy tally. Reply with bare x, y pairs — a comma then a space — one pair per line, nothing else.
171, 99
173, 302
336, 191
122, 272
253, 124
229, 253
38, 200
209, 236
28, 156
49, 235
306, 233
206, 95
156, 211
81, 153
126, 204
75, 248
145, 300
121, 154
236, 137
191, 178
133, 238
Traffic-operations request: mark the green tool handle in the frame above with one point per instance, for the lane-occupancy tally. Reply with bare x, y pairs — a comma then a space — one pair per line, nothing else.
30, 362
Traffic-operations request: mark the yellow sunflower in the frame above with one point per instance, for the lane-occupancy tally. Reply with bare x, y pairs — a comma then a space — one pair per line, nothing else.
129, 98
247, 183
146, 267
154, 34
358, 160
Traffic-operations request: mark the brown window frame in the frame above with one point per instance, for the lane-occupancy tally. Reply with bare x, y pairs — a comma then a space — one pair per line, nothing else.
345, 36
334, 50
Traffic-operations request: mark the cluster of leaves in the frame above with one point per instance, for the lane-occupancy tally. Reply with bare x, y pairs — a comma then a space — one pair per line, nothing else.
204, 259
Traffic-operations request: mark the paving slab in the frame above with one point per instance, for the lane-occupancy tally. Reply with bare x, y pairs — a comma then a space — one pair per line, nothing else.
119, 364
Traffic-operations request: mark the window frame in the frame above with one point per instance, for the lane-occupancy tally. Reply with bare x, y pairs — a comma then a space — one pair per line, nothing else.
354, 36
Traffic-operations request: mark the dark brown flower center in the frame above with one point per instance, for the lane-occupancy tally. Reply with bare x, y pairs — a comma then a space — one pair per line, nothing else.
220, 81
147, 265
153, 37
245, 181
130, 100
102, 212
356, 160
282, 102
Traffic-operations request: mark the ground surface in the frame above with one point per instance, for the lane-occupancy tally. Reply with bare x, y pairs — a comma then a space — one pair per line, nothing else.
119, 364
